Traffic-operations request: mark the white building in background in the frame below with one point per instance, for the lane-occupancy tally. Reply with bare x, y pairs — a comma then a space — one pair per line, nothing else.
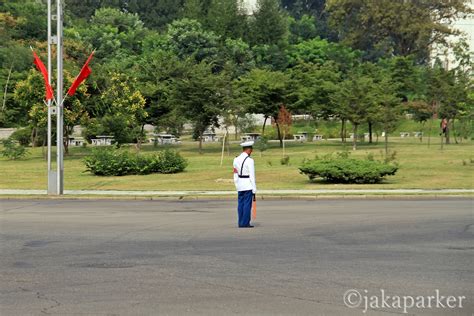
250, 5
466, 26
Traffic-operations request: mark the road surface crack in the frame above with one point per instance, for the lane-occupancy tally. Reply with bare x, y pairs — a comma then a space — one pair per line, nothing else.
54, 303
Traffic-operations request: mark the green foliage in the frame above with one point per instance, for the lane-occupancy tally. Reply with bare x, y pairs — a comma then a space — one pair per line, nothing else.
261, 144
111, 32
124, 111
199, 96
112, 162
226, 18
169, 161
269, 26
347, 170
302, 29
264, 91
386, 27
187, 38
13, 151
31, 21
22, 136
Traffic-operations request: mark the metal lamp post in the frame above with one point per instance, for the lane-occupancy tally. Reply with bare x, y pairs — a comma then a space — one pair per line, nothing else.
56, 177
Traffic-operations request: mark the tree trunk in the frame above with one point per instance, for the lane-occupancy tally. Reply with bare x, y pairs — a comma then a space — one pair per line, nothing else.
343, 131
279, 133
454, 132
370, 132
227, 140
422, 130
386, 144
354, 139
33, 137
43, 144
200, 142
264, 123
139, 138
236, 131
447, 132
284, 135
429, 131
66, 140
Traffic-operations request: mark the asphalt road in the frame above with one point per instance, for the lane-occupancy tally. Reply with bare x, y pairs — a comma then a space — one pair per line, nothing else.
101, 257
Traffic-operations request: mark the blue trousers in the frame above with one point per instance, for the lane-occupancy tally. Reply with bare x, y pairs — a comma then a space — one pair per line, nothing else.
244, 207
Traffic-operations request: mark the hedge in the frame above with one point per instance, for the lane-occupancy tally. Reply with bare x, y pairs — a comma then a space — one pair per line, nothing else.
347, 170
114, 162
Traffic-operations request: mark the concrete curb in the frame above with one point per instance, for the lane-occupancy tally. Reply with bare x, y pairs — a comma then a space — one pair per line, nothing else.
376, 194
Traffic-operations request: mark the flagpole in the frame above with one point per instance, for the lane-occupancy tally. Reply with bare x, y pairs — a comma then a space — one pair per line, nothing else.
59, 98
51, 187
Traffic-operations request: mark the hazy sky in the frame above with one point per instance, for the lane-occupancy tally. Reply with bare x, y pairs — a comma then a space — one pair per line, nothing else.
467, 26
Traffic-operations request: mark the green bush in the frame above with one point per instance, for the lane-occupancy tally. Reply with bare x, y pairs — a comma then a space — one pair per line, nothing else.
13, 151
347, 170
113, 162
285, 161
169, 161
22, 136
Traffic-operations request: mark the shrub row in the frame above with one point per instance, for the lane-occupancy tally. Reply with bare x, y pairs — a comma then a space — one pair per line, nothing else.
113, 162
347, 170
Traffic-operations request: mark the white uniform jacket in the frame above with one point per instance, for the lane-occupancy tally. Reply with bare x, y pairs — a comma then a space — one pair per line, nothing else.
244, 175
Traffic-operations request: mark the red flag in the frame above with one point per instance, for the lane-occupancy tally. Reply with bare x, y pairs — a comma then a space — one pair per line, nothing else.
39, 64
85, 72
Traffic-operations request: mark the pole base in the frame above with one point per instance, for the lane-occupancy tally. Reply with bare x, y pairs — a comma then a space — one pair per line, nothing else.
53, 183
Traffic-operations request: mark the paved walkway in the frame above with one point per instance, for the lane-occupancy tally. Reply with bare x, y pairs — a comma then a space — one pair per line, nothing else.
260, 192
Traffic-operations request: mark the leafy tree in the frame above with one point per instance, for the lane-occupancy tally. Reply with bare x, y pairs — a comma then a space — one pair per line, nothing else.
271, 57
312, 88
448, 91
30, 92
187, 38
264, 92
387, 108
154, 13
239, 54
111, 32
317, 51
156, 72
29, 15
227, 19
386, 27
15, 61
356, 98
198, 96
269, 25
422, 112
261, 144
124, 112
302, 29
13, 151
283, 123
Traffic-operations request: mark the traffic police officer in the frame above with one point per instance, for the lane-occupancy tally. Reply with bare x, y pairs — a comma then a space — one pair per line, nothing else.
244, 179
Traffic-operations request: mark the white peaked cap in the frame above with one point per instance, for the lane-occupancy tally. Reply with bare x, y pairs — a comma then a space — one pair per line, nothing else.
247, 144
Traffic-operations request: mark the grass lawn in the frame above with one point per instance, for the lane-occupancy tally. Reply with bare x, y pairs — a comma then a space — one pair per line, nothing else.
420, 167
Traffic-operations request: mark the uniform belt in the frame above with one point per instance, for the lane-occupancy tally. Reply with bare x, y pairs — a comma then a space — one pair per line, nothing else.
245, 177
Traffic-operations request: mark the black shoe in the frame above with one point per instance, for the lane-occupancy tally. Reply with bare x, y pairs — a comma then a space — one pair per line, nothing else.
249, 226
